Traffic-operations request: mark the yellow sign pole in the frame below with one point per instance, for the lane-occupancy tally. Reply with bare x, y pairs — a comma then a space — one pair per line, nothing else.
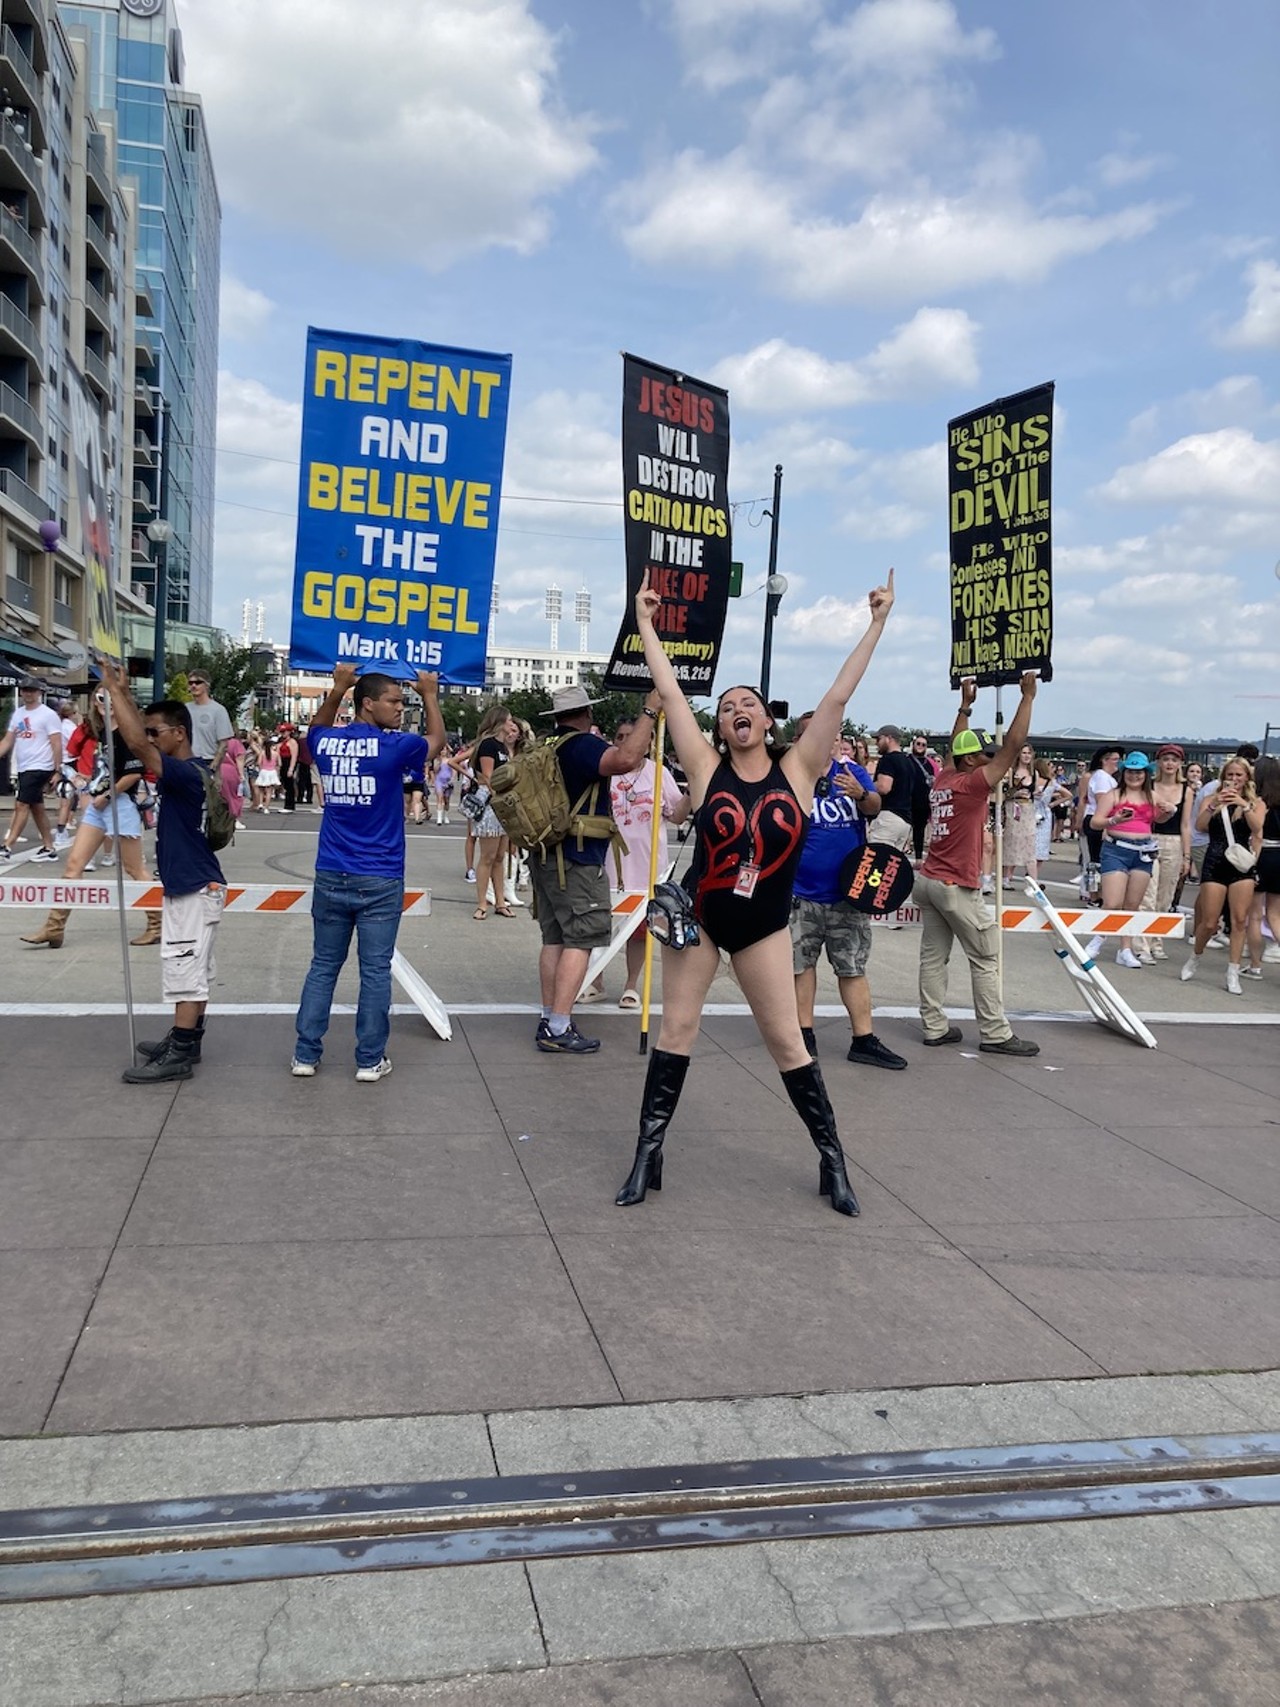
660, 736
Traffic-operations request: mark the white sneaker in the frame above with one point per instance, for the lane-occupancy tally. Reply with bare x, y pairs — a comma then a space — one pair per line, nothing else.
471, 877
1093, 948
1158, 951
303, 1069
370, 1075
1233, 980
1217, 940
1271, 952
1126, 957
1144, 954
1190, 967
107, 859
62, 841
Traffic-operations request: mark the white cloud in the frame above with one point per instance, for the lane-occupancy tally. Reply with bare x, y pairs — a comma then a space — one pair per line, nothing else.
1166, 588
243, 312
724, 42
427, 133
1259, 326
725, 214
1117, 170
904, 37
831, 621
1226, 467
935, 349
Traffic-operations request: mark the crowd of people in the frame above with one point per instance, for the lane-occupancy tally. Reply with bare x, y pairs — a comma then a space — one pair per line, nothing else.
772, 827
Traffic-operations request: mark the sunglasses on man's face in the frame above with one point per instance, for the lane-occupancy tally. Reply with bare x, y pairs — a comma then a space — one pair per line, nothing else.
155, 734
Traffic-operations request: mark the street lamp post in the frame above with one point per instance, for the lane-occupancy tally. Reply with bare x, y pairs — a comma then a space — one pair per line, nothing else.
160, 532
775, 586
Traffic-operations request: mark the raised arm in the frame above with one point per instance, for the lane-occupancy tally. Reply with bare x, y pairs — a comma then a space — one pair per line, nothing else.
813, 748
428, 685
344, 679
1018, 731
127, 717
696, 756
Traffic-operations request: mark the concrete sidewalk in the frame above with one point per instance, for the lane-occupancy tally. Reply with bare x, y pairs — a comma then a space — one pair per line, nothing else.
250, 1281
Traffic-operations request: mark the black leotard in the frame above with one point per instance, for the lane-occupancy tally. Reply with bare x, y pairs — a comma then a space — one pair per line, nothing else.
1171, 823
758, 823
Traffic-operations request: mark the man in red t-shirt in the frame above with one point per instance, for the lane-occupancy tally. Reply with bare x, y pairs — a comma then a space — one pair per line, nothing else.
949, 883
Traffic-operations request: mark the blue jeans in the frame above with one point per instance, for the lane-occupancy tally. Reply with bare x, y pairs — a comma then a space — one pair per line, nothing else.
342, 902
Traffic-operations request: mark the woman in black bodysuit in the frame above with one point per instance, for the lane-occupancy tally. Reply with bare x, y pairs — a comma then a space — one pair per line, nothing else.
753, 809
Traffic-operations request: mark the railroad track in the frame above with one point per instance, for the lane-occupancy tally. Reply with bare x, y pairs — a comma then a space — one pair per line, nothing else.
61, 1553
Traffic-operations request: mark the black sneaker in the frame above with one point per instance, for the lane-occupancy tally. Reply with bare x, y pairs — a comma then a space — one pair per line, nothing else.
4, 852
1010, 1046
570, 1042
48, 855
952, 1034
873, 1052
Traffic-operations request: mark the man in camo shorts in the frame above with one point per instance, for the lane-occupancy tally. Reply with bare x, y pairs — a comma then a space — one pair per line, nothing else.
822, 919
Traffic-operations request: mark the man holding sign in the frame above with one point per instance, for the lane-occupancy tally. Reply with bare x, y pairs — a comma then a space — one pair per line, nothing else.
359, 885
949, 883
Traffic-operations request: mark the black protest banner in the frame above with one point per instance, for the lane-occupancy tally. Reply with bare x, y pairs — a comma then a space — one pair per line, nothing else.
675, 473
998, 478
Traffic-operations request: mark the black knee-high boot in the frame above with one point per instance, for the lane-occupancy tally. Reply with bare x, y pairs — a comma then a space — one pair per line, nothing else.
662, 1086
809, 1099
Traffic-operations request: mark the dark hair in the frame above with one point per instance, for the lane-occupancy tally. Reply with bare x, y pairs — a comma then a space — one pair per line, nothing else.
722, 747
1246, 750
1095, 763
174, 713
1266, 779
370, 686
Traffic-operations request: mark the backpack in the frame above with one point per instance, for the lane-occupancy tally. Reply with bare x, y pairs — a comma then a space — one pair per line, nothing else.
219, 820
532, 804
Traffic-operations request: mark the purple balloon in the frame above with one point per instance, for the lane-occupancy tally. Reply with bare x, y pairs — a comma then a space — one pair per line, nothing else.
50, 534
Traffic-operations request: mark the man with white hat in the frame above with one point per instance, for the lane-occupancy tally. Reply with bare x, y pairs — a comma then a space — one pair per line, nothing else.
576, 916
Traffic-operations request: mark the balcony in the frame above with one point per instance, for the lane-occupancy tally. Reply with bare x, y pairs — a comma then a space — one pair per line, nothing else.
18, 161
140, 555
97, 308
143, 497
64, 614
144, 399
144, 451
15, 488
19, 413
97, 373
97, 241
20, 593
96, 167
19, 250
16, 68
144, 351
17, 331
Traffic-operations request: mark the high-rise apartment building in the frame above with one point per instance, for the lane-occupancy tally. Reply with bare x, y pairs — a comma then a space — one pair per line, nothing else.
134, 67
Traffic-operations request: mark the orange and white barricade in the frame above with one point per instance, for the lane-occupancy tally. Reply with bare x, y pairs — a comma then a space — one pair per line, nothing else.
270, 898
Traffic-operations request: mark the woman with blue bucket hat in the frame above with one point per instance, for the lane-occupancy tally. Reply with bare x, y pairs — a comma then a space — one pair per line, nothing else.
1126, 817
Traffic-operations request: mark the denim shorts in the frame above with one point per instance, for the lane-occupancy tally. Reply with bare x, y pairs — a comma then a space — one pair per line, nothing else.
1119, 856
99, 815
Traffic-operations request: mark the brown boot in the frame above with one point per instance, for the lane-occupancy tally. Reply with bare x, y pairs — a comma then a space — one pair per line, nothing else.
52, 930
152, 932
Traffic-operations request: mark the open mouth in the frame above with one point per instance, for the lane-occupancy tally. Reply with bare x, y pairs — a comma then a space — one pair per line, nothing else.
742, 725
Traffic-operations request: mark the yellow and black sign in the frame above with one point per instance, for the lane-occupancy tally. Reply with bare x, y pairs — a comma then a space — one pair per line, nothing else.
999, 460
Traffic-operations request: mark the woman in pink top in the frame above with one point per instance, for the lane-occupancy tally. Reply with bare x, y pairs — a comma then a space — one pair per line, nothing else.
1126, 816
632, 798
231, 775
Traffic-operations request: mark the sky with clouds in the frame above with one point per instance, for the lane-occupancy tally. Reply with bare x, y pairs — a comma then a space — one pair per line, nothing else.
862, 219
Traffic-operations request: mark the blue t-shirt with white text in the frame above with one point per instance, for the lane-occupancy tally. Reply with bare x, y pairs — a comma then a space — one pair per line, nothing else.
836, 829
362, 768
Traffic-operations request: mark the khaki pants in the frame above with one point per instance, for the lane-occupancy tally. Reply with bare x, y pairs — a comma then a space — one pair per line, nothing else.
1164, 879
951, 912
888, 830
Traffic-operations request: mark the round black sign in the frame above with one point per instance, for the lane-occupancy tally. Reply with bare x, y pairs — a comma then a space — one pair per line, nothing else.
876, 879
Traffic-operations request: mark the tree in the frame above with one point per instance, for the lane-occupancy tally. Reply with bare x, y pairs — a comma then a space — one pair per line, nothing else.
234, 675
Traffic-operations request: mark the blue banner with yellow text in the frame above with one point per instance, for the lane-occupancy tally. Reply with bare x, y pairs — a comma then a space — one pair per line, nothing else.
402, 446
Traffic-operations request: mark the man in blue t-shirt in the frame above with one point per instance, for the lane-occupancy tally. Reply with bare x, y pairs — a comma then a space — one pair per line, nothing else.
576, 916
821, 917
360, 861
194, 888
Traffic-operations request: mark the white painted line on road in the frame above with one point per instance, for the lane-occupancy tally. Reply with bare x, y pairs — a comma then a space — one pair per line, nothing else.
529, 1010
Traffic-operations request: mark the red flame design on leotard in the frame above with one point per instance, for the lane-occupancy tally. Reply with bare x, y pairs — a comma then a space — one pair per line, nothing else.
725, 823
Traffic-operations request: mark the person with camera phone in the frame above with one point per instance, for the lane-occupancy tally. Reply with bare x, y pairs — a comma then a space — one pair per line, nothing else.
1232, 817
1126, 817
752, 802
